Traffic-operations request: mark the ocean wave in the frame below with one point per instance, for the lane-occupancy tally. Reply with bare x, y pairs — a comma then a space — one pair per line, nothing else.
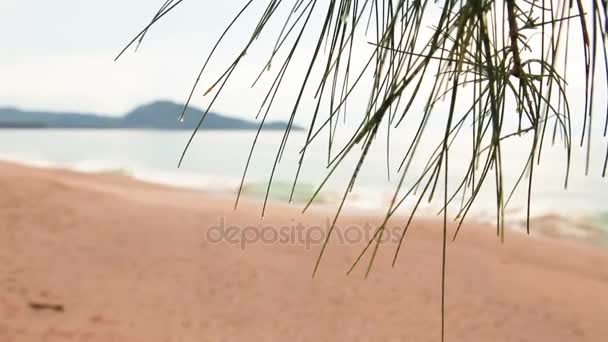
282, 191
549, 218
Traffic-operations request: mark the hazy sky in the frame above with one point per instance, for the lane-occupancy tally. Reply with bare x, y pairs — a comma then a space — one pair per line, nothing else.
59, 55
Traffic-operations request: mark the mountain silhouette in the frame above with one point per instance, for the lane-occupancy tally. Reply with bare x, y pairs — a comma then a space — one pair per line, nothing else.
159, 115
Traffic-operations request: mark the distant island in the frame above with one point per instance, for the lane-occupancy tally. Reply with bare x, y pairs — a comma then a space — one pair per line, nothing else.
159, 115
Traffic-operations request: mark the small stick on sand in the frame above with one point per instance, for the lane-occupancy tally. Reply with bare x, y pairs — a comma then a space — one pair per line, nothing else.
46, 306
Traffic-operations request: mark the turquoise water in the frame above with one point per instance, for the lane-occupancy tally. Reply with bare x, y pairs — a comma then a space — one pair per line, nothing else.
216, 160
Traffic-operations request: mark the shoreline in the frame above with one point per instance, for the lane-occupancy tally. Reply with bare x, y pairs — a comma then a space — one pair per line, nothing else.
126, 260
550, 226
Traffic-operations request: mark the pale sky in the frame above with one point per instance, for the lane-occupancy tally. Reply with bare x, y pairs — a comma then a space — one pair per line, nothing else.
58, 55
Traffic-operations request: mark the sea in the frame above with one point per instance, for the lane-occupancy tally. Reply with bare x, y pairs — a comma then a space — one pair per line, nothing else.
215, 162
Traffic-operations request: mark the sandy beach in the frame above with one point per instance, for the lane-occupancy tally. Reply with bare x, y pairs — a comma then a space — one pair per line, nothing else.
101, 257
